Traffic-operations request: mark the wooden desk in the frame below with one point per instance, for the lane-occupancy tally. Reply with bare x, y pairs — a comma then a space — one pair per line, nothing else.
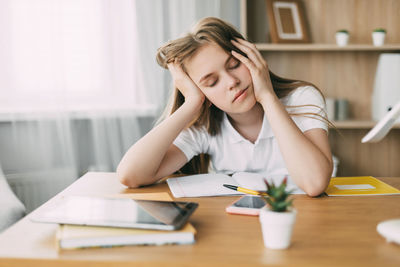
330, 231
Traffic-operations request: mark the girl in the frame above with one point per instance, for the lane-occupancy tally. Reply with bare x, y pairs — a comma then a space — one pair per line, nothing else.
228, 107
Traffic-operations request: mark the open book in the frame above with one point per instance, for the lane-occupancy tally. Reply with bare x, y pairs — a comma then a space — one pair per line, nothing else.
211, 184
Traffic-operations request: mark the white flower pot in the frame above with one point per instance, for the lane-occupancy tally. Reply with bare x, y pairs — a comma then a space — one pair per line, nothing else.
342, 38
378, 38
277, 227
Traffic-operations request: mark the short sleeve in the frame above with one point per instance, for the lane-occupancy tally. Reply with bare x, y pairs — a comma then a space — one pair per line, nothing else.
309, 102
192, 141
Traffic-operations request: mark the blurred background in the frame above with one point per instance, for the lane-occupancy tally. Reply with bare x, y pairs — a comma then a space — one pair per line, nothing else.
79, 83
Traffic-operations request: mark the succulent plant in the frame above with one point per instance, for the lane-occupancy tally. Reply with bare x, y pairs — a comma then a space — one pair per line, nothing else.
343, 31
379, 30
277, 197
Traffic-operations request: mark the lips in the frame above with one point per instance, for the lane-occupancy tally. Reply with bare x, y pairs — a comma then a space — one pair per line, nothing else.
238, 94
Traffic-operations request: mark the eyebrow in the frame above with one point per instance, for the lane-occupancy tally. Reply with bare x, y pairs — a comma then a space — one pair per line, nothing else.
208, 75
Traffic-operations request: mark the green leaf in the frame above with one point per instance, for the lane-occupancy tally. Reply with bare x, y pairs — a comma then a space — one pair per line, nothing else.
278, 196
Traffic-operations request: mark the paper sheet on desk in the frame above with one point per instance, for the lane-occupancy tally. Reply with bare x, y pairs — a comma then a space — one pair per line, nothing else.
211, 184
201, 185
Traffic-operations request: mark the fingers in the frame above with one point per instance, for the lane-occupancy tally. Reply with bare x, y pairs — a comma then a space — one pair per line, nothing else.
251, 51
184, 83
176, 69
252, 47
246, 61
173, 66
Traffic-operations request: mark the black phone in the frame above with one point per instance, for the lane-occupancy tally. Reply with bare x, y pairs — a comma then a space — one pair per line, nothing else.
247, 205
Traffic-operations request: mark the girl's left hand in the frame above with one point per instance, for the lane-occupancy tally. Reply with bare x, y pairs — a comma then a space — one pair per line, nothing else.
257, 66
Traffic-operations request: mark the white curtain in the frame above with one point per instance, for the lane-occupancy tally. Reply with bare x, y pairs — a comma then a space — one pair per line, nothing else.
162, 20
70, 55
79, 83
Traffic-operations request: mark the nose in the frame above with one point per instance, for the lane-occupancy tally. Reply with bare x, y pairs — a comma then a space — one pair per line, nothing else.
233, 81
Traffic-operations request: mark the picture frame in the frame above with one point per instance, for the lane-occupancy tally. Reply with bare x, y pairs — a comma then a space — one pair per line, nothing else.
287, 21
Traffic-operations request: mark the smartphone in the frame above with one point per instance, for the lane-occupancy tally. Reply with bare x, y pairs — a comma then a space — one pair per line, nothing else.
247, 205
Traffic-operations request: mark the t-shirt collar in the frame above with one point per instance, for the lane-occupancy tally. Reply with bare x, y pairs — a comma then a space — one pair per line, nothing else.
235, 137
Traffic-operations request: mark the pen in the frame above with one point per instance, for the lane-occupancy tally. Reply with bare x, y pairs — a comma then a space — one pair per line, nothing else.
245, 190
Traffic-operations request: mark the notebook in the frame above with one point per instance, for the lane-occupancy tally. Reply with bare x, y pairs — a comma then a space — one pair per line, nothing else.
74, 236
211, 184
359, 186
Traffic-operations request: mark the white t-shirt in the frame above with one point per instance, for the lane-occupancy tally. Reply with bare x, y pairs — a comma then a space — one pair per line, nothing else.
230, 152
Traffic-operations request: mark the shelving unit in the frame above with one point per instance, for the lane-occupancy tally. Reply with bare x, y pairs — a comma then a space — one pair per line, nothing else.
326, 47
358, 124
339, 72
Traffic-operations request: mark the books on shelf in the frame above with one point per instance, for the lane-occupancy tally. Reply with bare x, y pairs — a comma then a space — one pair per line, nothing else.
77, 236
359, 186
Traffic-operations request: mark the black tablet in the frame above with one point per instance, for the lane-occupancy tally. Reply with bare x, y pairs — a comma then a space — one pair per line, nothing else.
117, 212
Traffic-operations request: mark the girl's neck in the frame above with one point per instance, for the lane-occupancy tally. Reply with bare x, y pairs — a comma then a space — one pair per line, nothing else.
248, 124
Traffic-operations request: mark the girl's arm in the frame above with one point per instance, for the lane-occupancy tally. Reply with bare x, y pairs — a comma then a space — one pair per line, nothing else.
307, 155
154, 156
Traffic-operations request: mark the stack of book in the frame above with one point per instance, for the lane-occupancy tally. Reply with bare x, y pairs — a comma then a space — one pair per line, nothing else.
77, 236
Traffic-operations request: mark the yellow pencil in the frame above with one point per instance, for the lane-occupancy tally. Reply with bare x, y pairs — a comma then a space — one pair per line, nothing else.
245, 190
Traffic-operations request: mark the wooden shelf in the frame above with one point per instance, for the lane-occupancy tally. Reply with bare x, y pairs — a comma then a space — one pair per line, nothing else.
358, 124
327, 47
346, 72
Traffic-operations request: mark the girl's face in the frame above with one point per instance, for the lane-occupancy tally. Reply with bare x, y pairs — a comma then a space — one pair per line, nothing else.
224, 80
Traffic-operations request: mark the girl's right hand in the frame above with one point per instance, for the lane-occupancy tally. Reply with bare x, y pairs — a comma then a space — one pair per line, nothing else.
185, 84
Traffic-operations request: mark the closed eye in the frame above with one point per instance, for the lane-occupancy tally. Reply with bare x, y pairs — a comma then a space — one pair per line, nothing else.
233, 64
214, 83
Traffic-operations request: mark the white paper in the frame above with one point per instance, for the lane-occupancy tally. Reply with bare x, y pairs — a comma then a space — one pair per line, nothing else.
211, 184
253, 181
201, 185
354, 186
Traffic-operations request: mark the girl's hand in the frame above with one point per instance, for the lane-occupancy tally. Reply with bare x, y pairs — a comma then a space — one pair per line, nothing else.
257, 66
185, 84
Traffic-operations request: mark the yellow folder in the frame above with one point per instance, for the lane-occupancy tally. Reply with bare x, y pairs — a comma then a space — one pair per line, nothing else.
359, 186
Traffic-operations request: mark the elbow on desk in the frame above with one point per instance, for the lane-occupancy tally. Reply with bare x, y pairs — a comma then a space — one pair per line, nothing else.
320, 180
127, 179
314, 192
133, 179
317, 188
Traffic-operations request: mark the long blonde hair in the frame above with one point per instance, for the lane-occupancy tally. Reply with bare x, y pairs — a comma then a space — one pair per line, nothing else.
211, 30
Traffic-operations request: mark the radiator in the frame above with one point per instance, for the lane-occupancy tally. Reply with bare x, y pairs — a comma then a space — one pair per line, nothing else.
35, 188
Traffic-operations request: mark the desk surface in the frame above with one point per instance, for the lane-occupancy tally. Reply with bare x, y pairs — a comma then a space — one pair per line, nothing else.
329, 231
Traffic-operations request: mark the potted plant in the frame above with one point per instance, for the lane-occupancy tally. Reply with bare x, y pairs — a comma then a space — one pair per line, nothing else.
278, 217
378, 36
342, 37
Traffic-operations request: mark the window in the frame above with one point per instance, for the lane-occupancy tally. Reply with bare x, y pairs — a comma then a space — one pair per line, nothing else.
70, 55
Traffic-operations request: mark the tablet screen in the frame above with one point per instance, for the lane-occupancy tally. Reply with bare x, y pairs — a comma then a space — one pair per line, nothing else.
117, 212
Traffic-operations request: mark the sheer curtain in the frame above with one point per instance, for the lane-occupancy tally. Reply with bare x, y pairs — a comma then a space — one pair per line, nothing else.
162, 20
79, 83
70, 55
